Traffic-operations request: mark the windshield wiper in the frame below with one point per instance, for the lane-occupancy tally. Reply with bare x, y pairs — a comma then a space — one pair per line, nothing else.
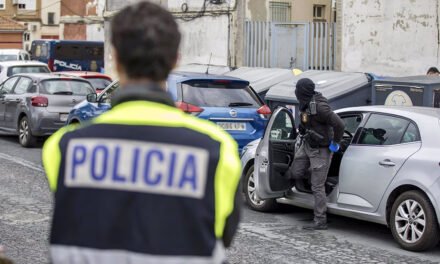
63, 93
240, 104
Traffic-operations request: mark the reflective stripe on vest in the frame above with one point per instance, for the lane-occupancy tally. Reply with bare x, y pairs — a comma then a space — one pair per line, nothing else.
78, 255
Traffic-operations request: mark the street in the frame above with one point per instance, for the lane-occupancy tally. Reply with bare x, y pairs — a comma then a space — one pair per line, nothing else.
262, 238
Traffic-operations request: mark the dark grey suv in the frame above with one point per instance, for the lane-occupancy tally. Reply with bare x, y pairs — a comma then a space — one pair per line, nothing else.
36, 105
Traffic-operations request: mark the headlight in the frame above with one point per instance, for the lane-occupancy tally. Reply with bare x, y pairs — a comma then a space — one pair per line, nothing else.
243, 151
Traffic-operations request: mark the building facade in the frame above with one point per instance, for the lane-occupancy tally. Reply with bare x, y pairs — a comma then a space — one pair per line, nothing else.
11, 34
290, 10
50, 19
82, 20
28, 14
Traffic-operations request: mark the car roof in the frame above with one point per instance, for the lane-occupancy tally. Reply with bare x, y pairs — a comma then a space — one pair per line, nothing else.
408, 111
22, 63
46, 76
85, 74
11, 51
180, 76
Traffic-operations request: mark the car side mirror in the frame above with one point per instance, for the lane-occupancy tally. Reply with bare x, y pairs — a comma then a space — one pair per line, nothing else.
92, 98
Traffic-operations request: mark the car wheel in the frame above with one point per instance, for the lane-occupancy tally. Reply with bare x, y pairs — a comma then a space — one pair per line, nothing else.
413, 222
251, 197
25, 136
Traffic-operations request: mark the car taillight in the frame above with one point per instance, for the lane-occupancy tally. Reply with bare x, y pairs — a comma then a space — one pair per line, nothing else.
189, 108
50, 64
264, 111
39, 101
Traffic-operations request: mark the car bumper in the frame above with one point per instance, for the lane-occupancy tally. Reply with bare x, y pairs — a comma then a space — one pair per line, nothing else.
45, 123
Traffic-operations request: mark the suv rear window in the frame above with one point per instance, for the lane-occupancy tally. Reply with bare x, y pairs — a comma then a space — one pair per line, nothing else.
66, 87
219, 94
27, 69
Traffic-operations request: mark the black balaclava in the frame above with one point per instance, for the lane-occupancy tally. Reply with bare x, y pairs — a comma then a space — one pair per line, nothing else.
305, 89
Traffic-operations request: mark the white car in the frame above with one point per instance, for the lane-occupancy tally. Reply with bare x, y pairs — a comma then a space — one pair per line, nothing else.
9, 68
14, 55
387, 171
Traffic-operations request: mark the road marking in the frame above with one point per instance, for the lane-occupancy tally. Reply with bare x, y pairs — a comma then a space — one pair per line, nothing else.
22, 162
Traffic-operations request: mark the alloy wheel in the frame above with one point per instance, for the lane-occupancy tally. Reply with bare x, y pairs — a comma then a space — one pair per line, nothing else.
410, 221
24, 131
251, 191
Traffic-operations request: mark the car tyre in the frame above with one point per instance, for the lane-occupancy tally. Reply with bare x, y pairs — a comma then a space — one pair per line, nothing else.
250, 194
413, 222
25, 136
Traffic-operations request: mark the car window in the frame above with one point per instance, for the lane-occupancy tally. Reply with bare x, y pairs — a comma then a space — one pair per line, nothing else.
22, 85
411, 134
66, 87
219, 94
383, 130
8, 57
99, 83
8, 85
351, 123
27, 69
106, 97
282, 127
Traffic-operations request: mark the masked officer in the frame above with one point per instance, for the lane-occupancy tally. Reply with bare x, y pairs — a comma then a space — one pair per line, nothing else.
143, 182
321, 130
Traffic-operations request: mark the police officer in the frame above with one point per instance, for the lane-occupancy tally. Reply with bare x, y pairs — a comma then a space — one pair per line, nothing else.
143, 182
321, 130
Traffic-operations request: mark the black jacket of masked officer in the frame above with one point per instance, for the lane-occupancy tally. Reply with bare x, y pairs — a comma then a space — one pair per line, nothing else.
320, 127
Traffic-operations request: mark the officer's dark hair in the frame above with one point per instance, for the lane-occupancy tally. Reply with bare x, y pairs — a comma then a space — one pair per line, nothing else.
433, 70
146, 38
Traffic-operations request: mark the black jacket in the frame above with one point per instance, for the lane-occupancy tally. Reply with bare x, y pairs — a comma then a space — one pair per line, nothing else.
326, 123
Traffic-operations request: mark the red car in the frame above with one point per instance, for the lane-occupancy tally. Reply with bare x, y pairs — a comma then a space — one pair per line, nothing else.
99, 81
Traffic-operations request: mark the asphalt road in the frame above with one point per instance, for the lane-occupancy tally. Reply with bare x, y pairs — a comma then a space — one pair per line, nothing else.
26, 204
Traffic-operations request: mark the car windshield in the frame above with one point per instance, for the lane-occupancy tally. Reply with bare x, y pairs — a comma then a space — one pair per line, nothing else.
99, 83
8, 57
221, 94
27, 69
66, 87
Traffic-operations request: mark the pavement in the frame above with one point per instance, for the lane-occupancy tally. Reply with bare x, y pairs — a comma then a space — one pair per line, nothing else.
26, 208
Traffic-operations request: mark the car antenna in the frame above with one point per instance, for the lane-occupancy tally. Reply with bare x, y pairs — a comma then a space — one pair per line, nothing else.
207, 69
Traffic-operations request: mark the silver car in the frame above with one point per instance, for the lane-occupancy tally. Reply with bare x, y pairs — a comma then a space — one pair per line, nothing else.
36, 105
387, 171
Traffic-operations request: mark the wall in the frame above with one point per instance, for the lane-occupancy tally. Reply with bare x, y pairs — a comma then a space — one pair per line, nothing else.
219, 32
389, 37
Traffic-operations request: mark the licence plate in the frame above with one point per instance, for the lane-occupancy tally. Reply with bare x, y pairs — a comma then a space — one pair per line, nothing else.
232, 126
63, 117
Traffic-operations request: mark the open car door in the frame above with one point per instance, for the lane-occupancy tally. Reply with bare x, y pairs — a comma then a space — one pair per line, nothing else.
275, 154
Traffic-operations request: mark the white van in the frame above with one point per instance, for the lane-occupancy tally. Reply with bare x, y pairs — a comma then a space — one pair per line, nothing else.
14, 55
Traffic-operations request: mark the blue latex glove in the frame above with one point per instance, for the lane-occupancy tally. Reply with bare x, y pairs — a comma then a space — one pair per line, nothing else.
334, 147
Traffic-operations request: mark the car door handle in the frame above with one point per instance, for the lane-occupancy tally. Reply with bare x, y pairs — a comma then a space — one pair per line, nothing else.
387, 163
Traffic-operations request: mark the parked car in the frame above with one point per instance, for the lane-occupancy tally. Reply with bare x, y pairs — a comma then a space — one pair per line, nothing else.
227, 101
386, 171
99, 81
9, 68
14, 55
36, 105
